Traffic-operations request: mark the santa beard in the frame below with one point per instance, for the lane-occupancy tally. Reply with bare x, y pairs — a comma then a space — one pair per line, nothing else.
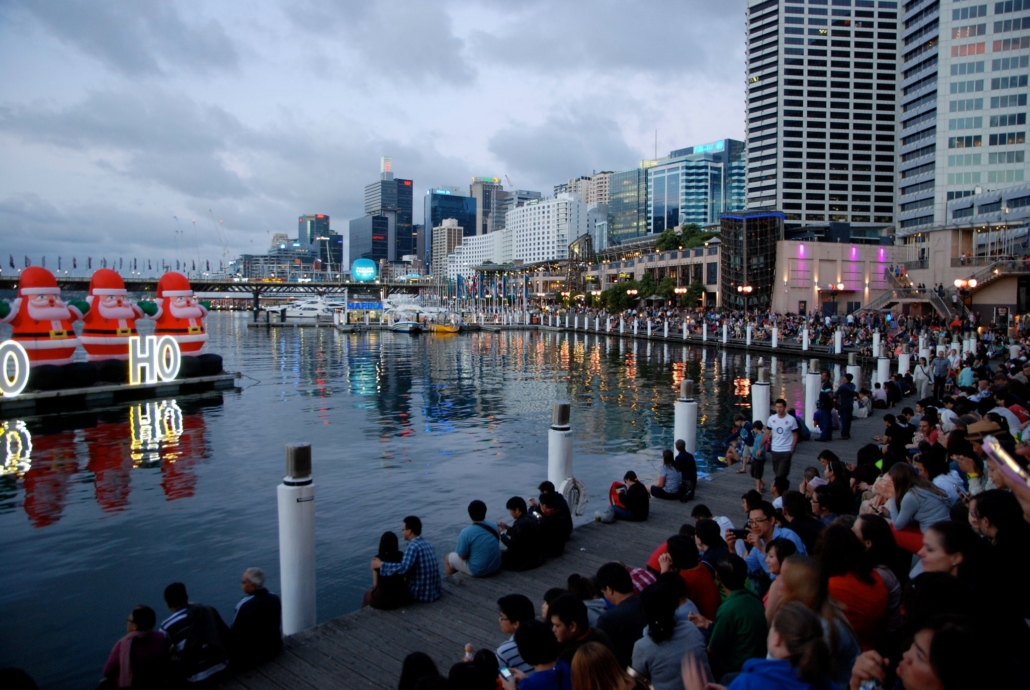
117, 313
58, 312
193, 312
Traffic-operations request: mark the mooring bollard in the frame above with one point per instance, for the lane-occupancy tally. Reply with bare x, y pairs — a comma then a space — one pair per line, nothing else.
666, 334
748, 338
775, 337
812, 381
704, 332
725, 333
804, 339
855, 369
636, 326
622, 326
566, 320
761, 393
876, 343
905, 360
684, 330
838, 342
559, 444
685, 416
883, 366
297, 541
649, 328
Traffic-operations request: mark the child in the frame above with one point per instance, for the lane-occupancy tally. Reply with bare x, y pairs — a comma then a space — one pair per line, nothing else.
740, 438
758, 456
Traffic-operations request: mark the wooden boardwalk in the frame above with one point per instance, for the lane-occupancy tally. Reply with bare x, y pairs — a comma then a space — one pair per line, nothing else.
365, 649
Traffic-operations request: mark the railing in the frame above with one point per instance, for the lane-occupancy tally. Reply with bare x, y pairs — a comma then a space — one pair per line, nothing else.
916, 265
938, 302
960, 261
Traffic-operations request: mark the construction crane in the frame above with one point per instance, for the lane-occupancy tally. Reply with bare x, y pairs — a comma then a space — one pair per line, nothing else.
508, 180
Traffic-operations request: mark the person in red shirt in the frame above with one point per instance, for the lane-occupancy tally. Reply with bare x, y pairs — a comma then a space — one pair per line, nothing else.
853, 583
684, 558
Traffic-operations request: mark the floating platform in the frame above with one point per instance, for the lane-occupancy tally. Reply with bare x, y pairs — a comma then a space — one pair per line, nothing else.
103, 395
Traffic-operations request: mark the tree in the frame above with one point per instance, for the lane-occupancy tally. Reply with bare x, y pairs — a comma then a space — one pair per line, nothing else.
667, 241
667, 288
694, 293
647, 286
616, 299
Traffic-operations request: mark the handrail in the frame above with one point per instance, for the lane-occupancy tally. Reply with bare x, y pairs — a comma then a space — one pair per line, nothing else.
942, 307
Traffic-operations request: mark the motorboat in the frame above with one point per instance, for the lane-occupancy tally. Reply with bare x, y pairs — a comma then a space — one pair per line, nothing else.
446, 323
405, 326
311, 307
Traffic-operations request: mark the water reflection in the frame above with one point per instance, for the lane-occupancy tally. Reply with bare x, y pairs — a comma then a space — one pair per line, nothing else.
47, 456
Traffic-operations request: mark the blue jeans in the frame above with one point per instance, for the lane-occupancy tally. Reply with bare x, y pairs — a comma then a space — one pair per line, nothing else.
845, 421
824, 419
623, 514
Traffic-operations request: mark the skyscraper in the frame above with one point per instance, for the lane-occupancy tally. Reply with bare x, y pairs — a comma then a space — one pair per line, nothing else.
311, 226
822, 108
391, 199
489, 195
964, 103
627, 205
441, 203
695, 185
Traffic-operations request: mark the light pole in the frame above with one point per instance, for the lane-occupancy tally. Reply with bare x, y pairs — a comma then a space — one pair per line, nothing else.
964, 285
745, 291
834, 289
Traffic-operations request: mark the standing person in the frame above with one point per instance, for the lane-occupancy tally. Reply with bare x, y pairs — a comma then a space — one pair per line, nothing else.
419, 562
940, 367
257, 627
670, 481
522, 538
479, 548
140, 659
782, 433
845, 396
759, 454
922, 378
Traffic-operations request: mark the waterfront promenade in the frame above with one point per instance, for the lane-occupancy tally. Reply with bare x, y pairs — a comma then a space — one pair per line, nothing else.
365, 649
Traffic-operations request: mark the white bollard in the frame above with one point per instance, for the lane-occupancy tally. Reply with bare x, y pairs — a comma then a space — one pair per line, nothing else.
855, 369
566, 320
684, 330
636, 325
649, 328
838, 342
876, 343
812, 382
685, 417
883, 369
704, 332
622, 326
761, 396
924, 353
297, 541
773, 367
904, 361
775, 337
666, 329
608, 324
575, 327
922, 342
748, 336
559, 444
725, 333
597, 324
804, 339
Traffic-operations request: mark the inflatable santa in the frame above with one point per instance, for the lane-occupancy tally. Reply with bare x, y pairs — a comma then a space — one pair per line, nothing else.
179, 313
111, 320
40, 320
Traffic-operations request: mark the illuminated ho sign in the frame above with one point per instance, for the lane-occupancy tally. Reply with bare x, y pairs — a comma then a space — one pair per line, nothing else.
363, 270
14, 368
153, 359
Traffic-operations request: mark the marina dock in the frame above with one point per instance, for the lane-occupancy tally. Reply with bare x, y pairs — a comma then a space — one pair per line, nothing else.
365, 649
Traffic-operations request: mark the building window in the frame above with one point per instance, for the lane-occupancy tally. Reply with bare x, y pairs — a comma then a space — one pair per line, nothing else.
800, 273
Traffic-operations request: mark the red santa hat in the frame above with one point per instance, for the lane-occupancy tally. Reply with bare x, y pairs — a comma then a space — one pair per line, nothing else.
36, 280
173, 284
105, 282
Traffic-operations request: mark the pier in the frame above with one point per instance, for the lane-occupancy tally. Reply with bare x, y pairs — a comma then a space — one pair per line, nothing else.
365, 649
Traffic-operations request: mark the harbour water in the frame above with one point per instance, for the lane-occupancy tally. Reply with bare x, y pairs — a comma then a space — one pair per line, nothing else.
99, 511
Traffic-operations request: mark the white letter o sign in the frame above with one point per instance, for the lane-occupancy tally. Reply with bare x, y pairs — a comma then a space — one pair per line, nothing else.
169, 359
11, 351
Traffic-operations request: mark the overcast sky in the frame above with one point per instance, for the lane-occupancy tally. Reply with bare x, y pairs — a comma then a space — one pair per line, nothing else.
116, 116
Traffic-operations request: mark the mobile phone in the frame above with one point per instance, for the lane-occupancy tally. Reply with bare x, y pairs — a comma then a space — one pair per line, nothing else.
1005, 462
739, 533
506, 673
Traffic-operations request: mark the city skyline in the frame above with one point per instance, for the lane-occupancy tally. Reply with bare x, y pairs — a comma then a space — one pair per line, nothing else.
119, 121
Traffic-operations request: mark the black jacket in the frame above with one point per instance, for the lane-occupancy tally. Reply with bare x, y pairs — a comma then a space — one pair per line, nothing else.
637, 500
524, 544
257, 630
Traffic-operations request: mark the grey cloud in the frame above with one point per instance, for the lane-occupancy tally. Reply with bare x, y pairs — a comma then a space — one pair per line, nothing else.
136, 38
564, 146
666, 38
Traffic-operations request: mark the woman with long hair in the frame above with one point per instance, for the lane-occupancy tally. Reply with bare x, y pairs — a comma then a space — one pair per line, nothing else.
852, 582
388, 592
802, 580
594, 667
887, 559
954, 548
416, 666
670, 479
657, 654
710, 543
913, 504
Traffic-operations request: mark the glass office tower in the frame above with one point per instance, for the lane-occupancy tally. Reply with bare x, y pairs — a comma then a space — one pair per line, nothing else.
695, 185
441, 203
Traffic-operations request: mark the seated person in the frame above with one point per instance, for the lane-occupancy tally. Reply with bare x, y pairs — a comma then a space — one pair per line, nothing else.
515, 611
257, 628
624, 622
568, 617
684, 558
387, 592
547, 487
634, 499
145, 650
670, 481
688, 470
479, 548
539, 647
522, 538
197, 635
419, 563
555, 524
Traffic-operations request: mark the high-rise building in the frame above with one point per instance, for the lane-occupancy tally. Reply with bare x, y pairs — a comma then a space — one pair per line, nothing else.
489, 195
592, 189
369, 238
695, 185
446, 238
441, 203
542, 231
822, 108
963, 105
515, 198
311, 226
749, 258
391, 199
627, 205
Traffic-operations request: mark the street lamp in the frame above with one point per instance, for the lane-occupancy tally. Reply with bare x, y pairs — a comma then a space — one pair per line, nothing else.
964, 285
745, 291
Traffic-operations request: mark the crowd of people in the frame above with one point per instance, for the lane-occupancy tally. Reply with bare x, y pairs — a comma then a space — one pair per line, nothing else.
897, 568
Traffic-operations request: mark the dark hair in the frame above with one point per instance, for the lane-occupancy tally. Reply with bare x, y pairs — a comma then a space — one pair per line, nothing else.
414, 525
930, 594
616, 576
781, 484
486, 662
477, 510
777, 401
583, 587
681, 445
144, 618
1002, 509
868, 454
905, 479
841, 476
675, 584
883, 548
795, 503
765, 507
959, 537
175, 595
840, 552
890, 419
659, 605
668, 459
732, 572
683, 552
464, 676
416, 666
825, 498
537, 643
550, 500
700, 511
802, 633
752, 498
710, 534
569, 609
546, 487
828, 455
629, 476
555, 592
388, 547
785, 548
516, 607
516, 503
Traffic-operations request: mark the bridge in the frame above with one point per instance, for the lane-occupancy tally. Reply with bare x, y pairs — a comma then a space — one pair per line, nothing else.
232, 288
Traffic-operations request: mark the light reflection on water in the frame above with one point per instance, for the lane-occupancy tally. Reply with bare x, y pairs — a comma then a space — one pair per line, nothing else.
107, 508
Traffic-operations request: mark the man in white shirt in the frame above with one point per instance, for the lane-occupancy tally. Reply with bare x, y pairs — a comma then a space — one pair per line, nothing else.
782, 433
